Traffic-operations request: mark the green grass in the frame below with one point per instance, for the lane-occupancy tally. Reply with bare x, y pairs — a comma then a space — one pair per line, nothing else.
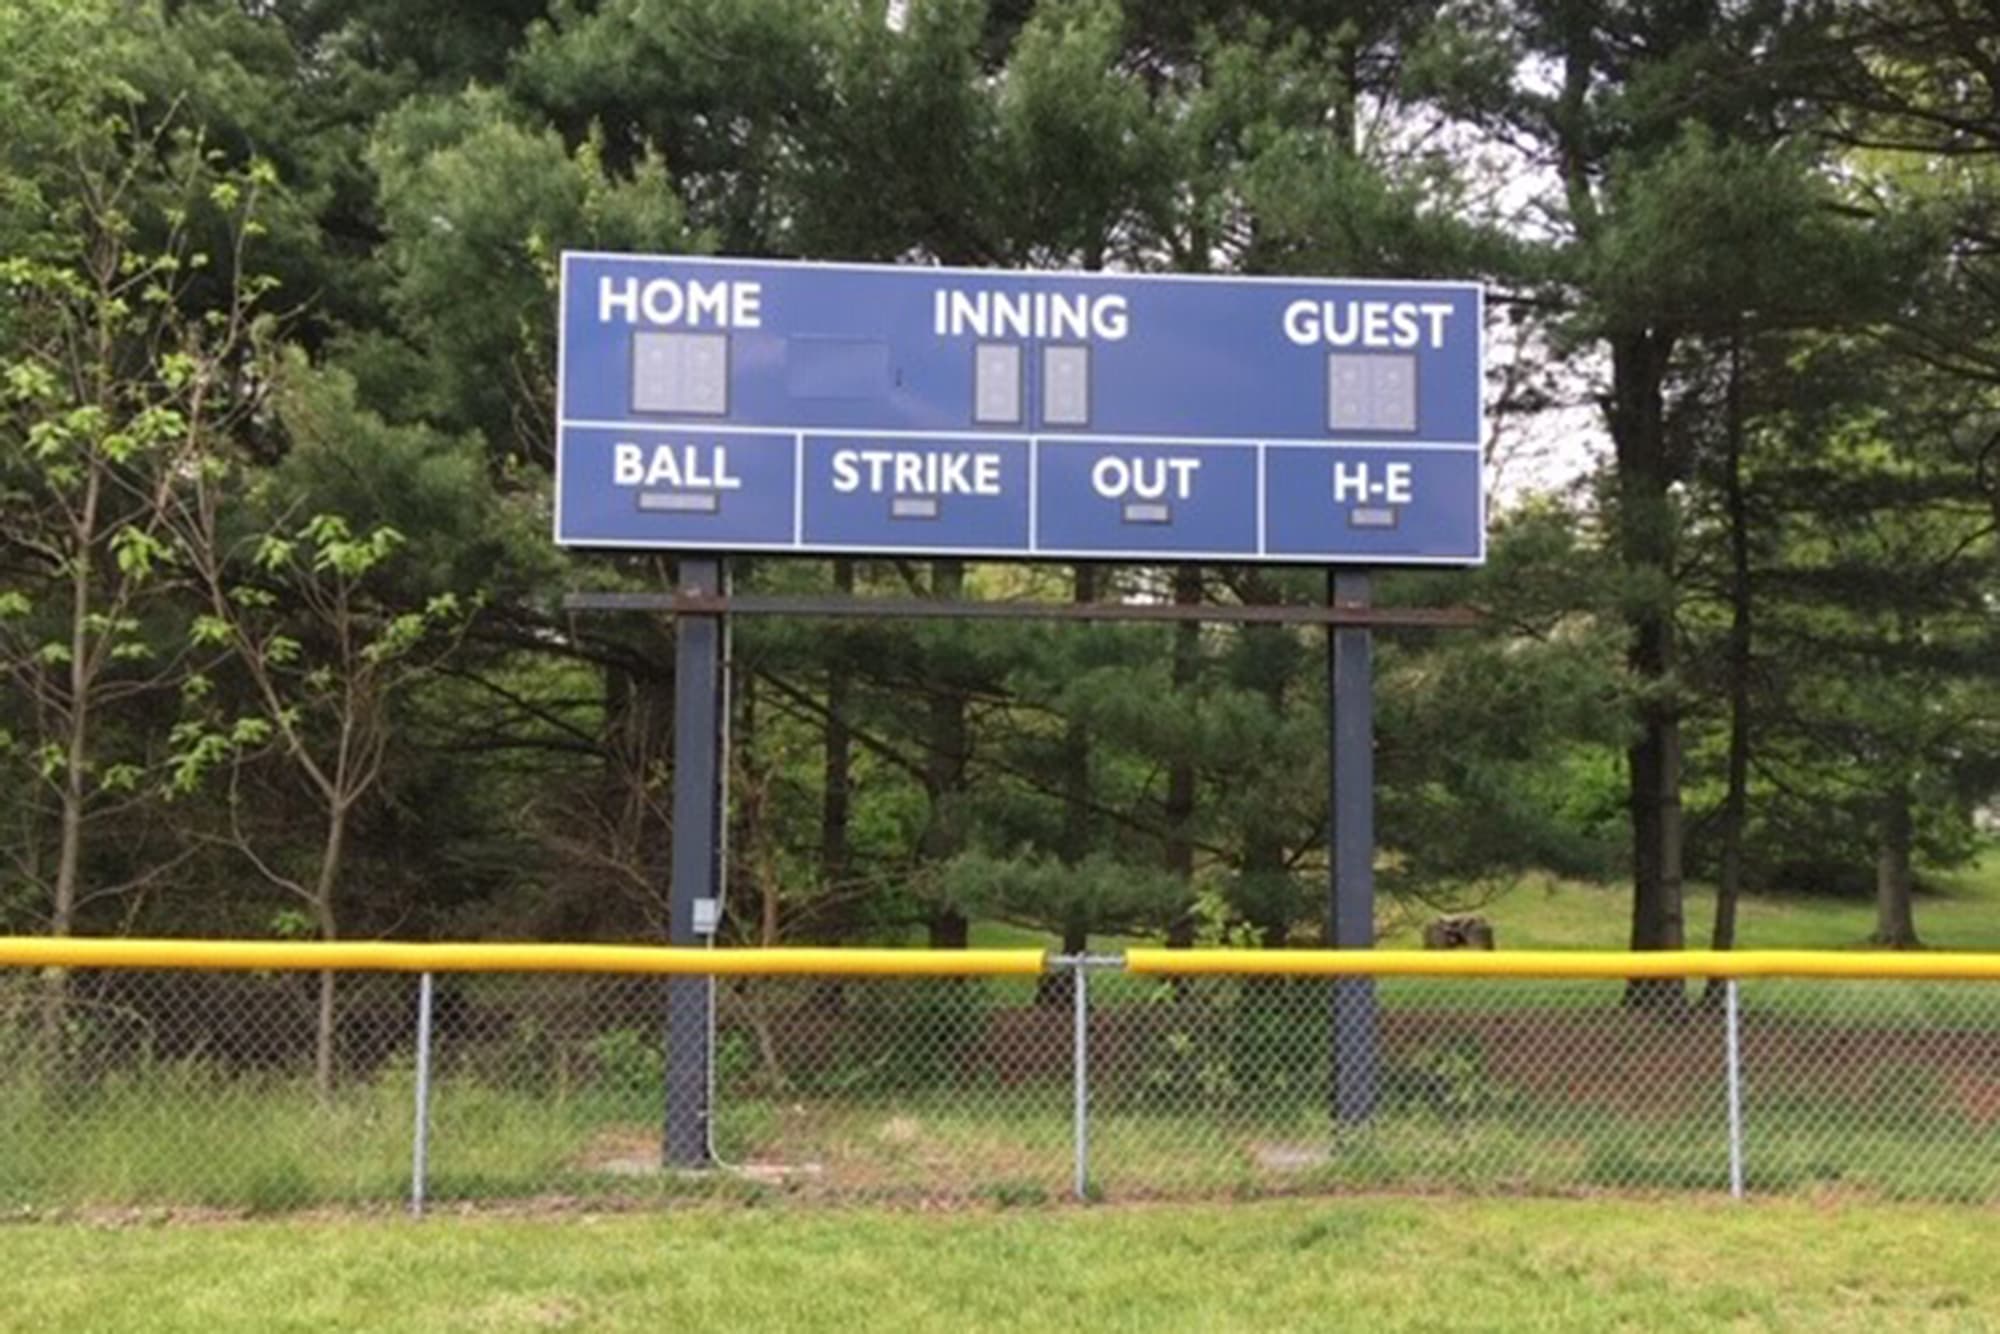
179, 1135
1960, 910
172, 1139
1369, 1263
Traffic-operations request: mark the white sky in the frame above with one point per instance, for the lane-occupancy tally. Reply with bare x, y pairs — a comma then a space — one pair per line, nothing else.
1526, 454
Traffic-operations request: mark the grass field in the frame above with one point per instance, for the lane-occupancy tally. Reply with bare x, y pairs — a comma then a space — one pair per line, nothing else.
1376, 1263
1959, 910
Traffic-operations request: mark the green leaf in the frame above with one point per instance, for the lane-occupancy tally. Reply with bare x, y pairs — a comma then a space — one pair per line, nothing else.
136, 551
291, 924
273, 552
250, 731
201, 751
121, 777
30, 383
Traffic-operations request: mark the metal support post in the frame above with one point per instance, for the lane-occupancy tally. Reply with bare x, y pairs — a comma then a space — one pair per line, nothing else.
1080, 1007
420, 1142
700, 697
1351, 838
1733, 1048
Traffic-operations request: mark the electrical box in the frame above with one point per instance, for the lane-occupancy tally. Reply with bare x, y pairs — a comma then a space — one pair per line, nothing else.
707, 916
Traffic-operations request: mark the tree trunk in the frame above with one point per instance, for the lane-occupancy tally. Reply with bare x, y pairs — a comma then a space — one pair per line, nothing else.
1645, 537
837, 757
944, 772
1055, 988
1895, 920
76, 763
1267, 902
1644, 531
69, 860
948, 929
637, 733
324, 917
742, 887
1180, 774
1346, 59
1076, 759
835, 801
69, 848
770, 895
1735, 802
323, 1030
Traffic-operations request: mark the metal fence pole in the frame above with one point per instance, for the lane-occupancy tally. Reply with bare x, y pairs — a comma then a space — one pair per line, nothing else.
1080, 996
420, 1143
1733, 1045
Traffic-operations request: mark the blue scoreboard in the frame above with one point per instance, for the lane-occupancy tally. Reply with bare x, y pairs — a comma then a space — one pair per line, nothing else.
734, 405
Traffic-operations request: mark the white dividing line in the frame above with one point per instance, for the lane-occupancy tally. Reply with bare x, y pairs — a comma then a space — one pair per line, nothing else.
1156, 556
851, 433
1034, 491
562, 362
1263, 497
799, 489
1031, 276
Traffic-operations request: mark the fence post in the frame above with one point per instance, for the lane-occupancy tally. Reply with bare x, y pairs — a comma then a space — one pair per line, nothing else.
1733, 1047
1080, 1045
420, 1144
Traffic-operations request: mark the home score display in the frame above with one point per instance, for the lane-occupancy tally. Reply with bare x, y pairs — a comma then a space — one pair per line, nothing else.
736, 405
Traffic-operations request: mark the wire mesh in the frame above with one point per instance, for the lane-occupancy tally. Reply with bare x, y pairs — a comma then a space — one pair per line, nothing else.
1222, 1085
133, 1090
1879, 1089
136, 1090
903, 1088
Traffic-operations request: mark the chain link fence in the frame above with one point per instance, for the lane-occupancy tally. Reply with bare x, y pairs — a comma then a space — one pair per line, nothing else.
127, 1089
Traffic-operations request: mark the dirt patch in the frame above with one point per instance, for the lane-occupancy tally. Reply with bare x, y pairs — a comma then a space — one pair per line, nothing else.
1629, 1061
1642, 1065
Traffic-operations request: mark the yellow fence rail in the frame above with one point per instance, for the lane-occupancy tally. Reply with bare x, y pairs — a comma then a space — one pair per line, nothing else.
402, 957
1562, 963
396, 957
